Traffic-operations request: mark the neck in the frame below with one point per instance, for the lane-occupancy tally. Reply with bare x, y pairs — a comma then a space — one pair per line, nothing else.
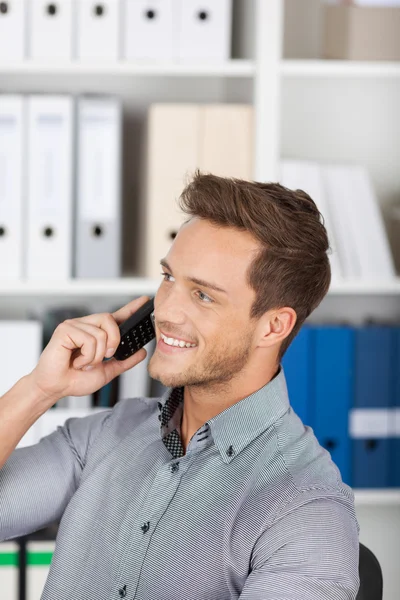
202, 402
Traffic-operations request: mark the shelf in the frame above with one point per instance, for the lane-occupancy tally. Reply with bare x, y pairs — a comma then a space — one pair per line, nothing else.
133, 286
231, 68
356, 287
339, 68
384, 497
129, 286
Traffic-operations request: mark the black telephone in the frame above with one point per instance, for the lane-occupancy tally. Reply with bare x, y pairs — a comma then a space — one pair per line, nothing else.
137, 331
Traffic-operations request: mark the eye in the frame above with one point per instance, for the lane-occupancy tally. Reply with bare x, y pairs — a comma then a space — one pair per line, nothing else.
208, 301
166, 275
201, 295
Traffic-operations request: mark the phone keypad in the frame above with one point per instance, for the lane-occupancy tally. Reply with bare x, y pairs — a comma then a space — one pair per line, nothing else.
136, 338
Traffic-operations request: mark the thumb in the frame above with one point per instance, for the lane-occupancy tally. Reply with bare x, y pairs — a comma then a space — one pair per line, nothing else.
113, 367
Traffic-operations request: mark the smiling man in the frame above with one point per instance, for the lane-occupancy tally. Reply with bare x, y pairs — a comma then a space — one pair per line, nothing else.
269, 516
217, 490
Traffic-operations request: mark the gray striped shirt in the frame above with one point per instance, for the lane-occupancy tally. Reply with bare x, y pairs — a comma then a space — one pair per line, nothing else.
254, 510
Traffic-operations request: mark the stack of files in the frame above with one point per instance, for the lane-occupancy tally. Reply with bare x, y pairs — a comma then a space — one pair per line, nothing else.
298, 370
98, 190
12, 128
358, 222
88, 30
204, 29
61, 171
9, 571
98, 30
372, 414
216, 138
332, 356
344, 383
13, 31
346, 199
395, 422
319, 376
50, 27
18, 360
49, 244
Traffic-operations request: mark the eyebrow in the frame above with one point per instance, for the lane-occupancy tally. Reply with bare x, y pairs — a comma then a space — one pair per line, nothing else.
195, 280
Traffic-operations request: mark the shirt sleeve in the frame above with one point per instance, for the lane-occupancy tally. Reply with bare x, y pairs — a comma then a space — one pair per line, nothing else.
310, 553
37, 482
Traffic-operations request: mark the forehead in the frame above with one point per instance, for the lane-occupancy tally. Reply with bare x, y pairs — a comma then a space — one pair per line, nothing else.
206, 249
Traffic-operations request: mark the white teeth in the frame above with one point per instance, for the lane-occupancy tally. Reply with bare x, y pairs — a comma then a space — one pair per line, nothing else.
178, 343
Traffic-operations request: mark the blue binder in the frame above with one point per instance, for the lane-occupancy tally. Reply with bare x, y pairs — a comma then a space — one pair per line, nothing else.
373, 389
297, 366
333, 388
394, 474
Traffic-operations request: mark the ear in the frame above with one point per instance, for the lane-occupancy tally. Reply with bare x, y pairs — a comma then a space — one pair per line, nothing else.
275, 326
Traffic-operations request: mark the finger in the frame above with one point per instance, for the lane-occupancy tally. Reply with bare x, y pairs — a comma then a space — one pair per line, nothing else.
101, 344
69, 337
106, 322
126, 311
113, 367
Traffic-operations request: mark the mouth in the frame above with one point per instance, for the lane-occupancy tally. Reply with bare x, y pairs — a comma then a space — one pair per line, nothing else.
171, 349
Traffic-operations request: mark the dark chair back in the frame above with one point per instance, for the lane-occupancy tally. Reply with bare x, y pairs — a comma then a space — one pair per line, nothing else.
371, 581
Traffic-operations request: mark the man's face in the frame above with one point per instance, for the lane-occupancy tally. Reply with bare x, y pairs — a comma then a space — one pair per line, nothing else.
216, 322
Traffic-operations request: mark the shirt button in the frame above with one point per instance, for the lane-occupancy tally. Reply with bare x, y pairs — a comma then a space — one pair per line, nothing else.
174, 467
145, 527
122, 592
230, 451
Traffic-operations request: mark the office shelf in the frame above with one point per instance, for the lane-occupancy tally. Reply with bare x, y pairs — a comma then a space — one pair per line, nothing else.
377, 497
231, 68
339, 68
135, 286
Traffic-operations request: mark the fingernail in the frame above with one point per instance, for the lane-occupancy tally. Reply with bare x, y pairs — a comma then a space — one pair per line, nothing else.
87, 368
110, 352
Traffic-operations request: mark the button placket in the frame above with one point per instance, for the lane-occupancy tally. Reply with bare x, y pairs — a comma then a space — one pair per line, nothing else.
145, 527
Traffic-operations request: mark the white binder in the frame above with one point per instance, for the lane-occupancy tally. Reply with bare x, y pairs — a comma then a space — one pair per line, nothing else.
98, 211
98, 30
50, 172
369, 233
16, 364
149, 29
172, 156
204, 29
340, 195
13, 30
12, 240
51, 29
227, 140
307, 176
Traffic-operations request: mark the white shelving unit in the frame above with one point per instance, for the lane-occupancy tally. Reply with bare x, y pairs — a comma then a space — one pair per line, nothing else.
305, 107
231, 68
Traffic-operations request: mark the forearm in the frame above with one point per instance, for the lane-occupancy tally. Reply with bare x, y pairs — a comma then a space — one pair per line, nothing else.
20, 408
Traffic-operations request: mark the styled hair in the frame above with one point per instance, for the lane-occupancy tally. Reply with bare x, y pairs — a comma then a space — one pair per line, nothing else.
292, 267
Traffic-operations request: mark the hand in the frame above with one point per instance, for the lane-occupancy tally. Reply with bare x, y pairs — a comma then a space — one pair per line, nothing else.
77, 344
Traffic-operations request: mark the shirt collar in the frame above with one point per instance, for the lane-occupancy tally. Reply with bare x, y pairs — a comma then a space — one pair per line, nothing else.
236, 426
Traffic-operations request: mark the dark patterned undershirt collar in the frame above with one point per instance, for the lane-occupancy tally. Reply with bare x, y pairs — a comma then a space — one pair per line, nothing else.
170, 418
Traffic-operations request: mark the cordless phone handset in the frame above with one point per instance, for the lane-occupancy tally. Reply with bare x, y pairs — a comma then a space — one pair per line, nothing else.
137, 331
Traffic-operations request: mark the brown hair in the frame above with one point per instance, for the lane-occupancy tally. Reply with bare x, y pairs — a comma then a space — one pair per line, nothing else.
292, 268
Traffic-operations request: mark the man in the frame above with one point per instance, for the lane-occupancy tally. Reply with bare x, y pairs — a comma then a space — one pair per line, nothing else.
216, 491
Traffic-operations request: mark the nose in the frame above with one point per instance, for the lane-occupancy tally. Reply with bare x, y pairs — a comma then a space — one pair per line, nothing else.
169, 307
